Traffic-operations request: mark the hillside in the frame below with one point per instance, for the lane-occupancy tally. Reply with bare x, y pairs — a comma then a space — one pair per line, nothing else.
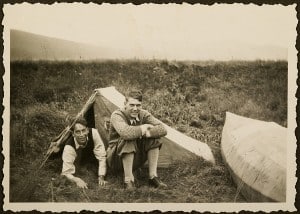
28, 46
190, 97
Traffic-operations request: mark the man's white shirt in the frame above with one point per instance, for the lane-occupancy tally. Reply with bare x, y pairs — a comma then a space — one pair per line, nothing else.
69, 156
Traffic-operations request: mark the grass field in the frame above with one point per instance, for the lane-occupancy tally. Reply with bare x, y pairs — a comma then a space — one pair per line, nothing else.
191, 97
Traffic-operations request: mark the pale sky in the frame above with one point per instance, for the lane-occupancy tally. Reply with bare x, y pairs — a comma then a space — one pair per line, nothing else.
161, 27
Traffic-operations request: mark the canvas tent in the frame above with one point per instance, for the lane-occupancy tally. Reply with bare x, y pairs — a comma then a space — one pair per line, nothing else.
97, 111
255, 153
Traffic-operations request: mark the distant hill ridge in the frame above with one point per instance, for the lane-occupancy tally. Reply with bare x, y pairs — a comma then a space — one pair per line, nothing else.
29, 46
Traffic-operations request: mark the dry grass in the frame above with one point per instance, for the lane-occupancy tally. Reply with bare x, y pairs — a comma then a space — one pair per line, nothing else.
189, 96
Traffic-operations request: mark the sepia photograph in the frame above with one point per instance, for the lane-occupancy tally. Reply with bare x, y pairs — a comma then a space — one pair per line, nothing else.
171, 107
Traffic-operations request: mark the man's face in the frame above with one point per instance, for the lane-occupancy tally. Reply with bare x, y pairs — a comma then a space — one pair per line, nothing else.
80, 133
133, 107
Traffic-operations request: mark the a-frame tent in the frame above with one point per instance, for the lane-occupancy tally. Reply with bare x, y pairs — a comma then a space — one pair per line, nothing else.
176, 146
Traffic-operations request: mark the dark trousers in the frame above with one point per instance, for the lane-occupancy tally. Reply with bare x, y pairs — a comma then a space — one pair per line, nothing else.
139, 147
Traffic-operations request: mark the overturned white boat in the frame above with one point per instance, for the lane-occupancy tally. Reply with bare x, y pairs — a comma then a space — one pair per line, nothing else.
255, 153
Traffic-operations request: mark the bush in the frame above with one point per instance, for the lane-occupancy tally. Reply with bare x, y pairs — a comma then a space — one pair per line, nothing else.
31, 131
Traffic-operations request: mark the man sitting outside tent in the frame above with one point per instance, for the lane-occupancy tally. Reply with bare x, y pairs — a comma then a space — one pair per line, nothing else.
79, 150
134, 139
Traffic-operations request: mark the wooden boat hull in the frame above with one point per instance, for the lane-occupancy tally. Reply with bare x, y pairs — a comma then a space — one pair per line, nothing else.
255, 153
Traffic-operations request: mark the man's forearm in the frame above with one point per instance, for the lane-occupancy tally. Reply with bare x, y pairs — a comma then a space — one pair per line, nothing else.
99, 152
79, 182
102, 167
70, 177
126, 131
157, 131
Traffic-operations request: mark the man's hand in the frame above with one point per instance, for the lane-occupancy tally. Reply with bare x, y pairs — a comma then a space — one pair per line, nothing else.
147, 134
101, 180
80, 183
53, 148
145, 128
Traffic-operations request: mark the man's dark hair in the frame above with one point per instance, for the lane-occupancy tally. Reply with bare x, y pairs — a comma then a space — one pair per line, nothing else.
136, 94
80, 120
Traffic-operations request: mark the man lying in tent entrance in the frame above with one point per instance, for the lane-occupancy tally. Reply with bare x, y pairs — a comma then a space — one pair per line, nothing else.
134, 138
83, 147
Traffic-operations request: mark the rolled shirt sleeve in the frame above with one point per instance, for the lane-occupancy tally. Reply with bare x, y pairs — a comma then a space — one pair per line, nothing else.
68, 157
99, 152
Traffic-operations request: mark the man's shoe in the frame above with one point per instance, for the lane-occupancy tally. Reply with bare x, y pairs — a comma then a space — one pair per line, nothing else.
129, 186
157, 183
